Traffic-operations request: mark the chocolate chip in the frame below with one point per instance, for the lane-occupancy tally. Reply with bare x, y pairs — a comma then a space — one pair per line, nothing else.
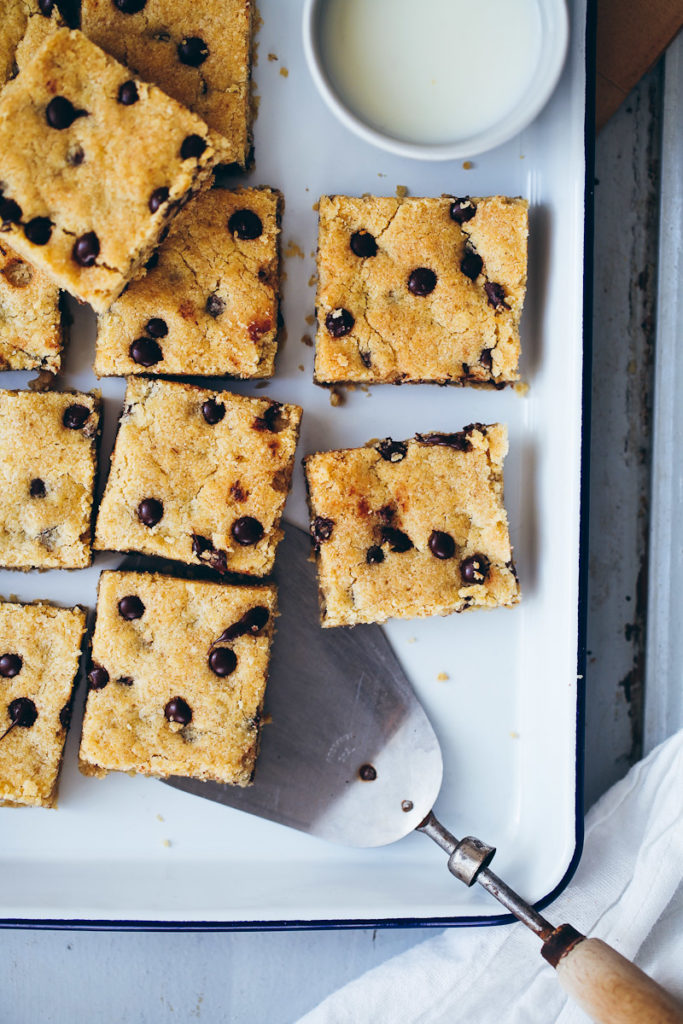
462, 210
269, 420
367, 773
10, 212
98, 677
213, 411
203, 549
145, 351
214, 305
150, 511
374, 555
178, 710
392, 451
75, 156
421, 281
495, 293
10, 665
156, 327
75, 416
339, 322
247, 530
128, 93
363, 244
86, 249
65, 716
475, 569
22, 711
471, 264
152, 261
125, 680
46, 7
37, 488
365, 358
251, 624
192, 51
441, 544
459, 441
245, 224
222, 661
192, 147
396, 539
321, 529
130, 6
158, 197
486, 359
131, 607
38, 230
60, 113
200, 545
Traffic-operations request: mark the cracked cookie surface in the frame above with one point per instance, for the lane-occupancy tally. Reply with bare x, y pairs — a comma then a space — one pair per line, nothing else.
210, 304
404, 529
30, 316
48, 462
200, 54
40, 649
199, 476
178, 677
420, 289
24, 24
93, 165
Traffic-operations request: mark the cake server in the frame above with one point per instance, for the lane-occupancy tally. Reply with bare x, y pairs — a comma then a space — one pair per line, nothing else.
350, 756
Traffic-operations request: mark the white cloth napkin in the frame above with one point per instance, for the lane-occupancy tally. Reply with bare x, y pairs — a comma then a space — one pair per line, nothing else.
628, 891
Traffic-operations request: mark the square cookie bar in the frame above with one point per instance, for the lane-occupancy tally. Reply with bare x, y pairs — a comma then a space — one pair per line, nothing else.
24, 24
40, 648
93, 165
199, 476
199, 53
209, 304
30, 316
178, 677
48, 462
412, 528
420, 289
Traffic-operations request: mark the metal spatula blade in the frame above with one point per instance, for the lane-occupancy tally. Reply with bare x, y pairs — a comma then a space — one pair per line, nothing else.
349, 755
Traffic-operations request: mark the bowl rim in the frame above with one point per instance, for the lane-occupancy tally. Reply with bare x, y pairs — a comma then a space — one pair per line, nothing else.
553, 53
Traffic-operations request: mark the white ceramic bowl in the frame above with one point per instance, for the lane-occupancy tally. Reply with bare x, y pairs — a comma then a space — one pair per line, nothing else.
554, 24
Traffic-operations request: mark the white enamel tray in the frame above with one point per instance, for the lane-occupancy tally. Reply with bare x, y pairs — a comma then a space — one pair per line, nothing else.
134, 850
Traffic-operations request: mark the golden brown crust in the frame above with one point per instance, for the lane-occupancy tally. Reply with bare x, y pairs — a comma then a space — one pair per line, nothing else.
30, 316
23, 27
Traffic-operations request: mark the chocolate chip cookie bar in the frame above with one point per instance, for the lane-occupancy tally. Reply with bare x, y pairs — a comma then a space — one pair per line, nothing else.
40, 648
199, 476
420, 289
93, 165
30, 316
200, 54
178, 677
24, 24
209, 304
412, 528
48, 462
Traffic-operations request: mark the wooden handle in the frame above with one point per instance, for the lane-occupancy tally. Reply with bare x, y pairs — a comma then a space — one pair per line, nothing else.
611, 989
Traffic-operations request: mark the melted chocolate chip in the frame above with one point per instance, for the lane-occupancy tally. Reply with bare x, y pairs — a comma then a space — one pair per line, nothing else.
75, 156
245, 224
145, 351
495, 293
251, 624
471, 264
37, 488
214, 305
60, 113
150, 511
128, 93
192, 147
367, 773
421, 281
462, 210
65, 716
156, 327
158, 197
269, 419
125, 680
486, 359
98, 677
475, 569
75, 416
192, 51
222, 661
459, 441
152, 261
178, 710
38, 230
363, 244
392, 451
46, 7
130, 6
339, 322
131, 607
374, 555
10, 212
10, 665
321, 529
247, 530
86, 249
396, 539
204, 550
213, 411
201, 545
23, 712
441, 544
